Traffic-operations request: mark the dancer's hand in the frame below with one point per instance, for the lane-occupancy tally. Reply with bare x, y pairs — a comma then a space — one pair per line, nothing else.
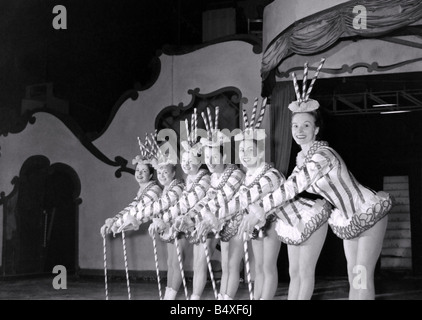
115, 228
157, 226
212, 220
203, 228
247, 225
258, 211
129, 223
106, 228
183, 223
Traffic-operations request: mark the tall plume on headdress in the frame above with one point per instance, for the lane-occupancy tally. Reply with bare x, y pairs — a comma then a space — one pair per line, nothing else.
253, 123
191, 135
147, 152
159, 157
303, 103
214, 136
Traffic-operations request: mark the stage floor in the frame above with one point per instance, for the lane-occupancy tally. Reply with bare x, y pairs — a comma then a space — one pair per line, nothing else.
41, 288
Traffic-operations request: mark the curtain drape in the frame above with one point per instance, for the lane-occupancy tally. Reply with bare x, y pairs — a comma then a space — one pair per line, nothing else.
317, 32
283, 93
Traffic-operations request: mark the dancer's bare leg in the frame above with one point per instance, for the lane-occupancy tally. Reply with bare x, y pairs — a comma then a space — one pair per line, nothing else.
235, 258
270, 254
309, 254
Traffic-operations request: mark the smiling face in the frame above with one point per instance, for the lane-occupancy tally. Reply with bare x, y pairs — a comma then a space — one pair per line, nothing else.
165, 174
190, 164
249, 153
304, 130
142, 173
213, 159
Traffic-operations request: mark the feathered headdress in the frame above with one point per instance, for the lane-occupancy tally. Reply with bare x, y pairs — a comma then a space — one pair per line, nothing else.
215, 137
191, 144
147, 153
251, 127
303, 103
162, 157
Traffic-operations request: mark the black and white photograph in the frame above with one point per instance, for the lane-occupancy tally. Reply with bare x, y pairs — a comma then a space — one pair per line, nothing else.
236, 150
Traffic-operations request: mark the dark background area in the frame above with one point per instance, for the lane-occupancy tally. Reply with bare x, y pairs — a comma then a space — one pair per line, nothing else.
107, 48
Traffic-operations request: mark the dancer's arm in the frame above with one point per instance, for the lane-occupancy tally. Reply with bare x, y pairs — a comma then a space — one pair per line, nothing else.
155, 209
126, 217
321, 163
218, 198
199, 191
266, 184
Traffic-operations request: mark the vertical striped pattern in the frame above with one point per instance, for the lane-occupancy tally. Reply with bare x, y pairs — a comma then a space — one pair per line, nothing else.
187, 130
206, 125
146, 142
296, 86
157, 269
179, 257
261, 113
209, 119
305, 79
255, 106
314, 79
140, 147
105, 267
217, 110
245, 119
192, 126
126, 267
195, 125
207, 255
247, 266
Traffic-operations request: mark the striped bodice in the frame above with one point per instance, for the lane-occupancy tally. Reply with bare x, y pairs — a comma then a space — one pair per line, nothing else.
151, 192
267, 180
195, 189
155, 209
324, 173
221, 191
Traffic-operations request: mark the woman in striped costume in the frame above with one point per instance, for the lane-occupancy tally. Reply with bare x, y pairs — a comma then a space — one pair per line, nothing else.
165, 167
197, 183
299, 219
149, 191
360, 214
226, 179
300, 223
172, 192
